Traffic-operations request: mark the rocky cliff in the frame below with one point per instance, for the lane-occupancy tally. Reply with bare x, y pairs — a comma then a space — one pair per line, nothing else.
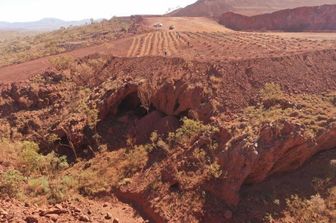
321, 18
215, 8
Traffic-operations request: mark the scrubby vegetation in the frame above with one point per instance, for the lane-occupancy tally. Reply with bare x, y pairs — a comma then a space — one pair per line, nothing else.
80, 72
306, 195
25, 48
312, 113
118, 167
10, 35
31, 174
183, 163
62, 62
319, 207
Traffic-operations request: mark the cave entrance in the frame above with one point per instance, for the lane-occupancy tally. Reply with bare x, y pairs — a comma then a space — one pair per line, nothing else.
131, 104
120, 124
128, 121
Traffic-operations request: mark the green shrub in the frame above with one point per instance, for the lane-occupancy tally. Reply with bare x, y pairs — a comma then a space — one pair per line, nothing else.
61, 189
51, 139
38, 186
189, 129
135, 161
42, 173
156, 143
52, 163
92, 117
90, 183
199, 154
271, 91
215, 170
10, 183
62, 62
30, 158
35, 163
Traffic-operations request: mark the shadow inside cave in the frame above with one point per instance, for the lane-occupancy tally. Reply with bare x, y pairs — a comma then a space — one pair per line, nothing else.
131, 123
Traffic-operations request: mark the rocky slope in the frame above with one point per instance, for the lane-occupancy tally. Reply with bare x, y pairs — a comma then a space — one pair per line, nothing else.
80, 210
322, 18
215, 8
177, 139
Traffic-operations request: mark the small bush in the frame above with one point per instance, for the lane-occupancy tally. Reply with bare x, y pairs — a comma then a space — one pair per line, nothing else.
34, 163
62, 62
38, 186
92, 117
271, 91
82, 72
30, 158
52, 138
135, 161
52, 163
189, 129
10, 183
215, 170
90, 183
199, 154
307, 210
156, 143
61, 189
34, 174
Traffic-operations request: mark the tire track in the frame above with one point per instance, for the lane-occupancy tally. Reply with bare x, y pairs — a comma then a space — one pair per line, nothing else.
174, 43
143, 45
132, 49
153, 49
167, 45
157, 49
161, 46
139, 46
153, 44
191, 39
148, 44
183, 38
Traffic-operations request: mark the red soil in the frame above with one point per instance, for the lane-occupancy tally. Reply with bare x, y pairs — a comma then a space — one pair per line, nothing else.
23, 71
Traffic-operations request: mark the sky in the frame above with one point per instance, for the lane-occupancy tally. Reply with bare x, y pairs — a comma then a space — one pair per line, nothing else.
31, 10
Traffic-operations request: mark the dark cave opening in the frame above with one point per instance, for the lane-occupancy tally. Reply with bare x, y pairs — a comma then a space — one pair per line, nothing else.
64, 148
128, 120
131, 104
175, 187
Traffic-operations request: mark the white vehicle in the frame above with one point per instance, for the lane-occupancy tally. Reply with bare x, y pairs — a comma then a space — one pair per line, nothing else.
158, 25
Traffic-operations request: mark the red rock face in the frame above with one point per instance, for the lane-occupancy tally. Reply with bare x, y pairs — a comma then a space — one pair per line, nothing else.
294, 20
215, 8
277, 151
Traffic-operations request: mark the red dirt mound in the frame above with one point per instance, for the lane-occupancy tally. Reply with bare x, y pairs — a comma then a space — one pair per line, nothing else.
294, 20
215, 8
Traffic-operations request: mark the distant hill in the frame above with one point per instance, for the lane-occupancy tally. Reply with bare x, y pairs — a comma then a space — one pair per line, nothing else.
46, 24
215, 8
316, 18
